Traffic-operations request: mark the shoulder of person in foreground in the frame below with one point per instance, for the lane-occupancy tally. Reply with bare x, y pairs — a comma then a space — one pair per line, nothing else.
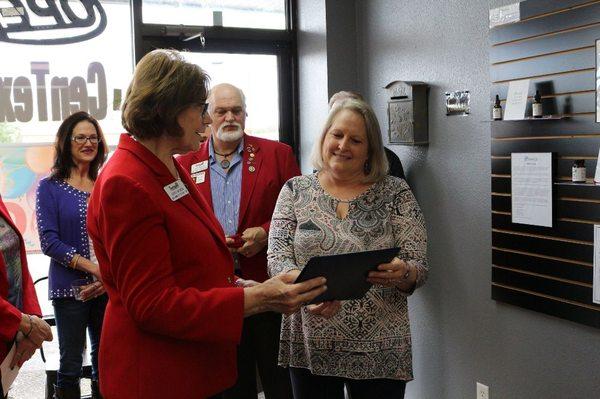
186, 160
136, 240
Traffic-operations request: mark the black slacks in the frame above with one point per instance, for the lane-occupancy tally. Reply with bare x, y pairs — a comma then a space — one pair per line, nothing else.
309, 386
259, 348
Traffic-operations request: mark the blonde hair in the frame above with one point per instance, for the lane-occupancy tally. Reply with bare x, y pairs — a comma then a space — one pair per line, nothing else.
344, 95
376, 167
163, 85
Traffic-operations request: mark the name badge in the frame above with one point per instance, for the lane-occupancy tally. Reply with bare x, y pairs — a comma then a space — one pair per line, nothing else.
200, 166
200, 177
176, 190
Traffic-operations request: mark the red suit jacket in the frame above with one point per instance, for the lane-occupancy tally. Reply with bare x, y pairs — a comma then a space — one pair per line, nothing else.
174, 316
10, 317
273, 164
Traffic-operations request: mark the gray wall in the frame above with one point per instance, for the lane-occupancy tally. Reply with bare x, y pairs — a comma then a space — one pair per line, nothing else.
460, 335
312, 74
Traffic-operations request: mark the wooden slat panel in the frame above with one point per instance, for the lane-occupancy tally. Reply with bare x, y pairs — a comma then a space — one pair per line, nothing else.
539, 26
564, 167
567, 104
533, 9
579, 314
547, 44
587, 147
541, 127
562, 62
548, 269
563, 83
563, 209
579, 252
572, 292
551, 267
561, 190
560, 230
564, 104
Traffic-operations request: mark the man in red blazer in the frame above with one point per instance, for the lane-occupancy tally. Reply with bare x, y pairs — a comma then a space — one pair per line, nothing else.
241, 176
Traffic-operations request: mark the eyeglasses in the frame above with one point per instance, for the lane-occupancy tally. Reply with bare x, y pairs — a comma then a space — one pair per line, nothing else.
236, 111
82, 139
204, 109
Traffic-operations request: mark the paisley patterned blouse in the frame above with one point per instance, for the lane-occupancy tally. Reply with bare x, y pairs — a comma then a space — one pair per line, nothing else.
368, 338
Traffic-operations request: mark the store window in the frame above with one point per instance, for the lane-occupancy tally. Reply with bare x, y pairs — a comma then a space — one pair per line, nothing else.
262, 14
253, 73
56, 59
61, 58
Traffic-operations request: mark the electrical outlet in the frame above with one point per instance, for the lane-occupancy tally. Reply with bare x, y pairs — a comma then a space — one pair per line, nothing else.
483, 392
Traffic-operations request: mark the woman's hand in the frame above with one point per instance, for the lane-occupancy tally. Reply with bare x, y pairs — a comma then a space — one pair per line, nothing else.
240, 282
36, 329
33, 332
25, 348
280, 294
255, 239
397, 273
92, 291
325, 309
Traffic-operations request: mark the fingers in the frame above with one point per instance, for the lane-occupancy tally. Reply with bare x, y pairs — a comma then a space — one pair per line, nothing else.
289, 277
308, 296
308, 285
25, 356
23, 352
92, 291
16, 357
325, 309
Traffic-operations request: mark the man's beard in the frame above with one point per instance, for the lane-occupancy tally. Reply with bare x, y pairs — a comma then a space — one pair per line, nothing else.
230, 135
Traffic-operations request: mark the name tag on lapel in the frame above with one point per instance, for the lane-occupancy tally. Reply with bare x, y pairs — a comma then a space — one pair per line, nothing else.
200, 177
198, 167
176, 190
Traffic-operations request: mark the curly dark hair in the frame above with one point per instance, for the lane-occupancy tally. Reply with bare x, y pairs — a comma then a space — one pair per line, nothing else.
63, 159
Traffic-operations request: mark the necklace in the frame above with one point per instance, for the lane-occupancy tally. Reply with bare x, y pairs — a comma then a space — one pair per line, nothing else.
224, 162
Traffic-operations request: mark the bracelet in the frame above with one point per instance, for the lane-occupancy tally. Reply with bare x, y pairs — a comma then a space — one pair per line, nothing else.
74, 261
30, 326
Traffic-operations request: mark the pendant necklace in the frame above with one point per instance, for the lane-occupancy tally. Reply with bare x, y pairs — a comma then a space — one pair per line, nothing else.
224, 162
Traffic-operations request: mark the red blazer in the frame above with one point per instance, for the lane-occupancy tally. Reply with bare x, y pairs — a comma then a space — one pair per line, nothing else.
274, 164
10, 317
174, 316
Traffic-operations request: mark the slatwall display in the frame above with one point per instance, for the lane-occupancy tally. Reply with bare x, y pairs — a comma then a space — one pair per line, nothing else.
544, 269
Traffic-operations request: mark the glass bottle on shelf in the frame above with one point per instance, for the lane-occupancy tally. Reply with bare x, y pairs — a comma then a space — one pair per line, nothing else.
578, 172
536, 107
497, 110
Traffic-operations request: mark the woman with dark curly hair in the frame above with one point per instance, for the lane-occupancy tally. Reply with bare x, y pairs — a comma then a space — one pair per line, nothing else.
62, 198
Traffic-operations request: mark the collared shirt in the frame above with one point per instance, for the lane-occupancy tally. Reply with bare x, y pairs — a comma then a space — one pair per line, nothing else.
226, 188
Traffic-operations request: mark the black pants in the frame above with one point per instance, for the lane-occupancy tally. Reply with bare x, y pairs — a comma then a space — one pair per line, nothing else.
259, 347
309, 386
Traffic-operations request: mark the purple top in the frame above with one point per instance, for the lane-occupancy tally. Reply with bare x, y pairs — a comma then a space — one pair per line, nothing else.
61, 212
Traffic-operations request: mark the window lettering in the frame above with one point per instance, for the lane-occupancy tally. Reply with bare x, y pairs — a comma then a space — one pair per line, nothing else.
67, 94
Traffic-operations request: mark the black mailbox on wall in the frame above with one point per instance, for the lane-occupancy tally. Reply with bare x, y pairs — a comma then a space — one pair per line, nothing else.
408, 122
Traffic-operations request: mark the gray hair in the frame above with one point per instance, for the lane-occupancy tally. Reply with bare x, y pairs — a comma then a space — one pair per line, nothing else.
377, 167
344, 95
210, 98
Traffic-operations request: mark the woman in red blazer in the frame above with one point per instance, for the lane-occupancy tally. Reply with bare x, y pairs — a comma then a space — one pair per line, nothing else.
19, 308
175, 308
